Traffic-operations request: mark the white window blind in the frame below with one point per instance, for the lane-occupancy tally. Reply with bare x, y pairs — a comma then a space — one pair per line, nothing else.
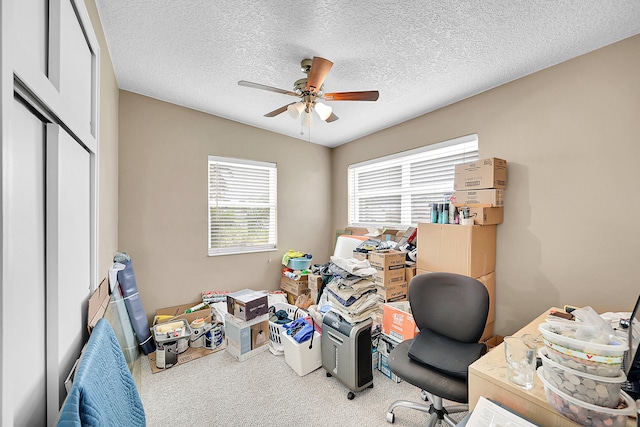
242, 206
398, 190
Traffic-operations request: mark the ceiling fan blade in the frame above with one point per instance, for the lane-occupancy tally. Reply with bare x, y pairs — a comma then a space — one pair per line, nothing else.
265, 87
332, 118
370, 95
320, 67
278, 111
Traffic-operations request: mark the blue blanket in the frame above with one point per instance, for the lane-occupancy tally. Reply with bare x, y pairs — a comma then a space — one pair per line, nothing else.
103, 391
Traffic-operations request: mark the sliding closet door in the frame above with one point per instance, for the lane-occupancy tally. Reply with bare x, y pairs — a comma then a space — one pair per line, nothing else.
68, 219
49, 70
26, 267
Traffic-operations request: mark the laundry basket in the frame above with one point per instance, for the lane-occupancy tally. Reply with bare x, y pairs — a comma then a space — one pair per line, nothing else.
276, 330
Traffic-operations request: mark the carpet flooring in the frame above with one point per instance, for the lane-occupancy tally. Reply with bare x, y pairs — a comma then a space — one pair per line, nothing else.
263, 390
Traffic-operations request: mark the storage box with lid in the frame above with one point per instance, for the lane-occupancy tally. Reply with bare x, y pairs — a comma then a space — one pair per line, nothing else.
479, 174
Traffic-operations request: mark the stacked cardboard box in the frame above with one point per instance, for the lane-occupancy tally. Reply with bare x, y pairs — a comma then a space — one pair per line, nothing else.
390, 277
294, 287
468, 250
247, 323
480, 186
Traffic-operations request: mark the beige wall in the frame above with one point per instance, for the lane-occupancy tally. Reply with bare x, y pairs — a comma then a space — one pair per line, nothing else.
107, 151
163, 200
570, 135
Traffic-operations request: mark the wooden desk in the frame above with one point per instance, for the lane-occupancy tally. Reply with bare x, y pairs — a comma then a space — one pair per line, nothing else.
488, 378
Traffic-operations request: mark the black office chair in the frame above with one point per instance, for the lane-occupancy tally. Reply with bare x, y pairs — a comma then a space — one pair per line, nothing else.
451, 311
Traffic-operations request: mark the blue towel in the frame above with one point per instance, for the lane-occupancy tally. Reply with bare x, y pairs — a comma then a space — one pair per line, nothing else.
103, 391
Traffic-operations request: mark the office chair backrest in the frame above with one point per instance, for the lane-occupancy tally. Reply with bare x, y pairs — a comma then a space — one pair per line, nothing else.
449, 304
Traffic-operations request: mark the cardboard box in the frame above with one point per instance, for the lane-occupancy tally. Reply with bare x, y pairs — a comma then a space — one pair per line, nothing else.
493, 342
314, 282
483, 173
292, 298
360, 256
397, 292
409, 273
397, 321
486, 216
241, 357
247, 304
295, 287
489, 281
170, 314
488, 332
468, 250
479, 198
389, 278
246, 336
98, 303
385, 346
387, 260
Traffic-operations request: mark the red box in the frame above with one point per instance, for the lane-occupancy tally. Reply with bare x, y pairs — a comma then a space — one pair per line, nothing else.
397, 321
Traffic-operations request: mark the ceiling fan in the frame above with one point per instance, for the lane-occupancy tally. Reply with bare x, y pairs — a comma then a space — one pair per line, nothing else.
311, 90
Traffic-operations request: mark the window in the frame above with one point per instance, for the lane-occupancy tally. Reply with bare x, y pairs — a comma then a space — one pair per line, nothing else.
242, 206
400, 189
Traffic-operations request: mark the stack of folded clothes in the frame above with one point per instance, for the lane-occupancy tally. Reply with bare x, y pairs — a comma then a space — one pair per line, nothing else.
352, 290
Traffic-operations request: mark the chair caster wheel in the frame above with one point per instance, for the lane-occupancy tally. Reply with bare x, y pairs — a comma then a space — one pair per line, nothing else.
391, 417
328, 374
351, 395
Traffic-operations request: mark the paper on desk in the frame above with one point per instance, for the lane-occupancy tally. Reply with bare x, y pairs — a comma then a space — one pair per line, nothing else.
489, 414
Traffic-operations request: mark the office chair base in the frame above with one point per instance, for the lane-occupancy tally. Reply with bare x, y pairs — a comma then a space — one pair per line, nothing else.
439, 414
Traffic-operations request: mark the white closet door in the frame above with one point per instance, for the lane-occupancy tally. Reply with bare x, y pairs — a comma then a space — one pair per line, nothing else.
30, 31
26, 267
68, 255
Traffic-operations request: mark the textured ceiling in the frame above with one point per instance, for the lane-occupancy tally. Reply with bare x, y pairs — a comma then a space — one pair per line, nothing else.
420, 55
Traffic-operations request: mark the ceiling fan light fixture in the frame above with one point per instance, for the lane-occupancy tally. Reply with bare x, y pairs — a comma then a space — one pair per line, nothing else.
323, 110
295, 110
306, 119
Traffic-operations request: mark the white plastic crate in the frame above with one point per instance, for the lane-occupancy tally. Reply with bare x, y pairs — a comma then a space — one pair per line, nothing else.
276, 330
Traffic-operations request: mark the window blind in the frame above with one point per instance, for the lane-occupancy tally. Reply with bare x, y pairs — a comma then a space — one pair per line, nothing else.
242, 206
399, 190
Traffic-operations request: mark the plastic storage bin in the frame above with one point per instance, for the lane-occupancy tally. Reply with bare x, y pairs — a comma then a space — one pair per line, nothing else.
585, 413
299, 263
601, 391
276, 330
303, 357
603, 360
